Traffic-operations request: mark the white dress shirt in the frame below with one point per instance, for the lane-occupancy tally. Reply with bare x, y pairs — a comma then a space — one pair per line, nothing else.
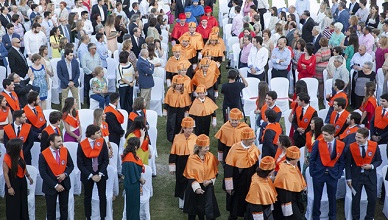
257, 59
32, 41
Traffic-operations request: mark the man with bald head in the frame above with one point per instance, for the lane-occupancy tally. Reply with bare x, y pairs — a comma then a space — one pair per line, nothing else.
17, 61
145, 70
281, 58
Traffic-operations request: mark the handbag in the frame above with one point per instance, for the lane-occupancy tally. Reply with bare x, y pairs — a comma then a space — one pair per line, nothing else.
170, 16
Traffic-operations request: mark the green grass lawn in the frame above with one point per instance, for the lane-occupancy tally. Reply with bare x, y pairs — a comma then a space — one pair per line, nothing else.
163, 204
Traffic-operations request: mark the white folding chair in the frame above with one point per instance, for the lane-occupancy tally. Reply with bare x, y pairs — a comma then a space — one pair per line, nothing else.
252, 119
35, 152
224, 22
111, 74
3, 74
236, 52
301, 159
323, 113
328, 84
310, 198
110, 193
229, 46
2, 181
55, 87
86, 117
159, 72
287, 123
379, 172
157, 95
385, 208
280, 86
46, 114
227, 32
312, 88
267, 18
116, 55
348, 203
115, 161
152, 118
153, 133
244, 71
72, 147
31, 191
145, 198
250, 94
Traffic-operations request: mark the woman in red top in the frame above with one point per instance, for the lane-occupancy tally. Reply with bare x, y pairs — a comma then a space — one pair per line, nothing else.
368, 104
5, 116
306, 63
15, 173
71, 121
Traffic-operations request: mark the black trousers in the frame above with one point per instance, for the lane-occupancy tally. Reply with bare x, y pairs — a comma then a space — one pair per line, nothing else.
278, 73
371, 192
87, 78
261, 77
17, 205
126, 98
200, 217
51, 205
88, 186
262, 11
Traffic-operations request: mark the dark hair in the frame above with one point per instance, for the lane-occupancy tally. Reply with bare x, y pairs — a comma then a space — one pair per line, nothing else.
300, 86
271, 115
232, 74
284, 140
263, 173
318, 122
133, 144
1, 99
384, 96
237, 8
91, 130
341, 102
33, 6
52, 137
99, 36
304, 97
356, 117
14, 146
17, 114
84, 12
153, 22
118, 20
123, 56
272, 94
15, 17
338, 49
7, 82
302, 44
307, 13
134, 4
353, 40
68, 51
114, 97
340, 84
35, 25
138, 123
55, 116
275, 11
32, 96
329, 128
364, 132
9, 25
310, 48
259, 40
69, 103
46, 14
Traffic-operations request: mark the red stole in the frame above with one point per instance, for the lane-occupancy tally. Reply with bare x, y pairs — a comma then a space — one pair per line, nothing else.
265, 107
309, 140
49, 129
56, 168
87, 149
380, 121
21, 172
104, 129
275, 127
339, 95
36, 120
4, 114
24, 131
325, 154
340, 122
145, 143
307, 116
131, 158
117, 113
73, 122
369, 153
12, 102
348, 131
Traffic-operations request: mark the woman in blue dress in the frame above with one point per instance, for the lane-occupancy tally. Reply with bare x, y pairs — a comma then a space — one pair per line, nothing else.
132, 169
41, 78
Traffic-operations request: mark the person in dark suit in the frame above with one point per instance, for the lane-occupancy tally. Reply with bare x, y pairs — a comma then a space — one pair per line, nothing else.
343, 16
126, 7
34, 114
349, 135
5, 18
96, 10
135, 10
23, 87
307, 27
137, 41
152, 20
64, 28
378, 124
55, 166
180, 6
17, 61
134, 23
362, 159
69, 80
9, 35
20, 129
114, 119
290, 34
327, 162
146, 79
316, 37
353, 7
55, 119
92, 161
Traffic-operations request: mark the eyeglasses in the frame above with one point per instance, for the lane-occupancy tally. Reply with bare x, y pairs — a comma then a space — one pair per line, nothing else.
18, 42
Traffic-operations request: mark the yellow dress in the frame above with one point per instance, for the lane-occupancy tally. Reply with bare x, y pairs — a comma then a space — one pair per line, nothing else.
143, 151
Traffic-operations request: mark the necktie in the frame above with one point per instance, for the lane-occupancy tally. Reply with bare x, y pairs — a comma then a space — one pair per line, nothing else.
10, 94
56, 130
330, 148
336, 118
57, 157
301, 115
36, 113
383, 113
24, 58
138, 42
363, 154
18, 132
65, 32
6, 17
95, 160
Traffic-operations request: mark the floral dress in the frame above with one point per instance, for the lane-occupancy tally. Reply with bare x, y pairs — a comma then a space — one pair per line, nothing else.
40, 81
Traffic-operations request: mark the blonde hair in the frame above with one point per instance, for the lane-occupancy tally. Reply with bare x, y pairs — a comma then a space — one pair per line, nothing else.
384, 41
97, 70
126, 44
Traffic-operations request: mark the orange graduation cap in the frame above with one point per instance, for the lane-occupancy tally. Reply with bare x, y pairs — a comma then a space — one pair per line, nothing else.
247, 133
267, 163
176, 48
187, 122
178, 79
200, 88
182, 66
192, 24
293, 152
235, 114
203, 140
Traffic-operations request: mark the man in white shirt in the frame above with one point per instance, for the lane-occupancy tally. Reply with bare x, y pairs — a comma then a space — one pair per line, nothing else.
301, 6
143, 7
257, 59
47, 23
385, 29
360, 58
79, 8
88, 27
237, 24
33, 39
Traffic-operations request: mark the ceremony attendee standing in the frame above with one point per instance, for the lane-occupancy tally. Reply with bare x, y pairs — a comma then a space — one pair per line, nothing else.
146, 81
68, 73
55, 119
301, 120
114, 119
125, 76
201, 172
240, 165
281, 58
362, 159
20, 129
92, 161
327, 162
55, 166
15, 173
379, 123
181, 149
17, 61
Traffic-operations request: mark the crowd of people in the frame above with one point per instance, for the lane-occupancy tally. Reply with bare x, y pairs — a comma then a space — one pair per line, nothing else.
262, 176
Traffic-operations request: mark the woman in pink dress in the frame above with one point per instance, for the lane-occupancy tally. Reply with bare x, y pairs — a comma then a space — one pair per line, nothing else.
307, 62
